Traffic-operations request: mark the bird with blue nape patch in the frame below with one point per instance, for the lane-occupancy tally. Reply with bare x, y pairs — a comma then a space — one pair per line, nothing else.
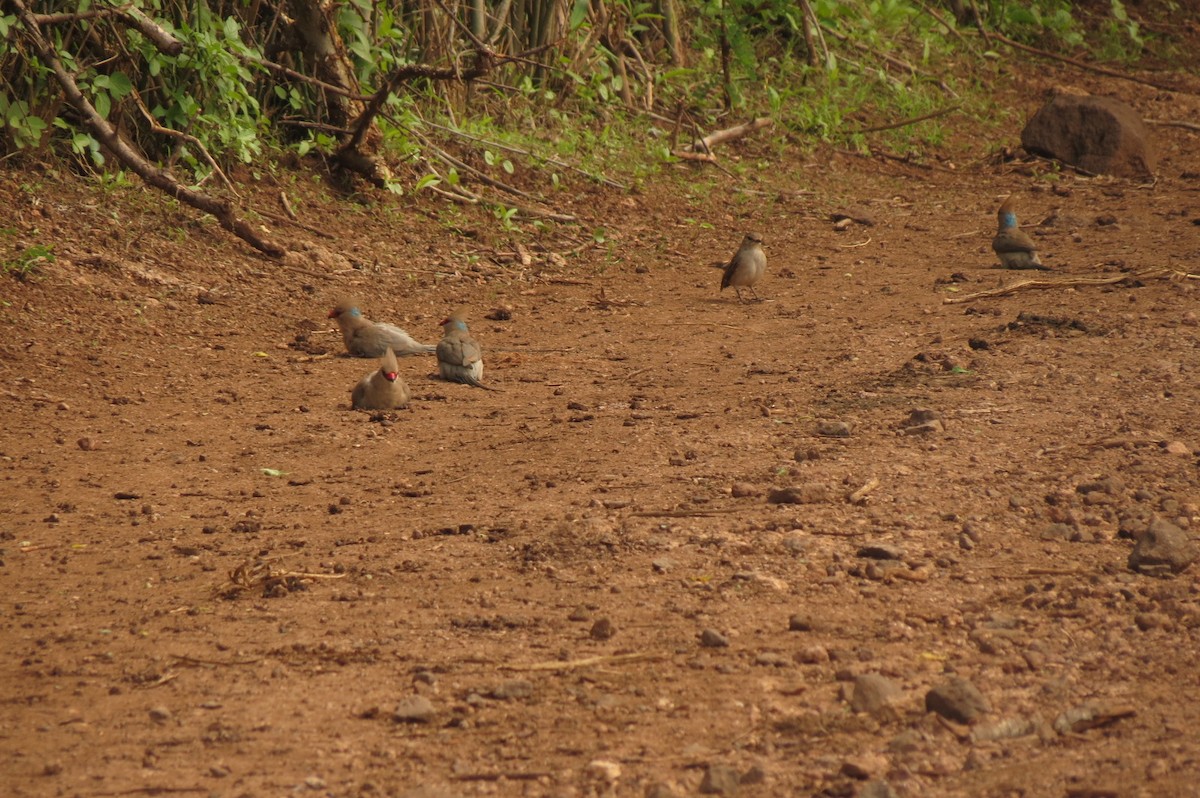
460, 357
1013, 245
365, 338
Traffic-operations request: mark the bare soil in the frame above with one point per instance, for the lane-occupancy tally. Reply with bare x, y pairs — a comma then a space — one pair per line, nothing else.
220, 580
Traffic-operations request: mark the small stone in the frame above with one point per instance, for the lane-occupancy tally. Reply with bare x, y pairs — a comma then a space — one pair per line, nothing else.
711, 638
880, 551
720, 780
1178, 448
1164, 549
1057, 532
742, 490
919, 416
414, 709
928, 428
512, 689
812, 655
958, 700
874, 694
833, 429
755, 774
602, 629
865, 766
580, 614
160, 714
86, 444
772, 659
53, 768
662, 565
808, 493
660, 789
800, 622
877, 789
314, 783
603, 769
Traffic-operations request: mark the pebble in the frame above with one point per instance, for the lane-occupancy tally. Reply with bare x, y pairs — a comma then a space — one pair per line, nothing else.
874, 694
160, 714
742, 490
865, 766
711, 638
602, 768
720, 780
812, 655
662, 565
660, 789
602, 629
958, 700
414, 709
579, 614
772, 659
1178, 448
833, 429
877, 789
800, 622
1164, 549
808, 493
87, 444
880, 551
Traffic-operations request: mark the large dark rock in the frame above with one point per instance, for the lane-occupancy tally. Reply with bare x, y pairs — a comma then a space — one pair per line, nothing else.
1100, 134
1163, 549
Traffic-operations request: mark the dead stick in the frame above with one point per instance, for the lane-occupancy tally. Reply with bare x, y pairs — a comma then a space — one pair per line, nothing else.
859, 495
1112, 73
1173, 123
586, 662
107, 135
1040, 283
905, 122
731, 133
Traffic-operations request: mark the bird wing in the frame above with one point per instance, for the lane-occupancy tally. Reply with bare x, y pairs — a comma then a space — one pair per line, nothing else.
459, 349
1013, 240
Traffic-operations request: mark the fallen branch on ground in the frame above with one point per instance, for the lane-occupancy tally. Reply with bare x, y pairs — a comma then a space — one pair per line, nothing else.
1012, 288
107, 135
729, 134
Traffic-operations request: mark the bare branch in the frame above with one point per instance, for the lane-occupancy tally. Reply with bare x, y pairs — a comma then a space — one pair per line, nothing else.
107, 135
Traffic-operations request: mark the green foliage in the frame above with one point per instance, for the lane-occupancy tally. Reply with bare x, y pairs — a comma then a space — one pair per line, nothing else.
28, 262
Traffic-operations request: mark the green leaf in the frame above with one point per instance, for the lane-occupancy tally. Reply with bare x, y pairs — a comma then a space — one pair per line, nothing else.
427, 181
119, 85
507, 165
274, 472
103, 104
578, 13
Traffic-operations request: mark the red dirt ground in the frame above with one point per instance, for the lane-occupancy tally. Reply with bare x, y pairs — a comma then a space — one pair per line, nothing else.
220, 580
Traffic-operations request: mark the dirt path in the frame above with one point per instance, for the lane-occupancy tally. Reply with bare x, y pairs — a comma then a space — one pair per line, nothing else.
578, 585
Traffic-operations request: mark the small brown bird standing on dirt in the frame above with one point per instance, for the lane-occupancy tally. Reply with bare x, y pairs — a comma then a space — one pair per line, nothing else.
746, 267
460, 358
1013, 245
372, 339
382, 389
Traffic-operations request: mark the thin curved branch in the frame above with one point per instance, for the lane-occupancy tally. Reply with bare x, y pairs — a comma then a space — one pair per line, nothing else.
107, 135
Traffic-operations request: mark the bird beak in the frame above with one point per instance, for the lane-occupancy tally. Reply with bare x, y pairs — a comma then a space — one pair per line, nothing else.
332, 314
390, 376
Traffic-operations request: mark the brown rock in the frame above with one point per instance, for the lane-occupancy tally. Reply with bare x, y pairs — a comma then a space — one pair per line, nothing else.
1100, 134
809, 493
1163, 550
